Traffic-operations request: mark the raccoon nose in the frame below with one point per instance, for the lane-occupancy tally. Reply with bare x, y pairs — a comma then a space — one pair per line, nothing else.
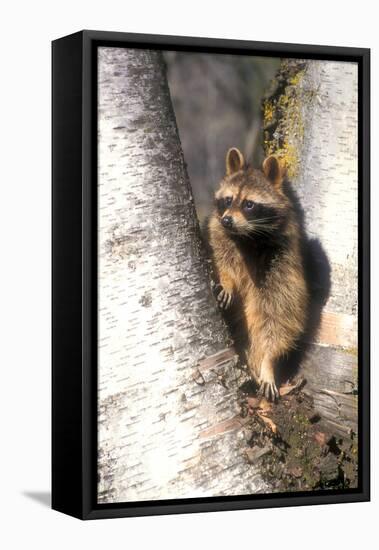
227, 221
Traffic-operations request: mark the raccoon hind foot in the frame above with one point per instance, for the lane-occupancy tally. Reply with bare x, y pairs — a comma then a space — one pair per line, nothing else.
266, 380
269, 391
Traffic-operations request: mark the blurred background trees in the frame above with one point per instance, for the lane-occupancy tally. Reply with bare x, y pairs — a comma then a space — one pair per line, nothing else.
217, 102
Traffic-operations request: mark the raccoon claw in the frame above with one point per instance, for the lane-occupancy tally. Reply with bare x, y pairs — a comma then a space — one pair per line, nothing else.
269, 391
224, 298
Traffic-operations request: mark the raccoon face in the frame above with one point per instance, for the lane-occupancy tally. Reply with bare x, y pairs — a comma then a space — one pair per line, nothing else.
251, 202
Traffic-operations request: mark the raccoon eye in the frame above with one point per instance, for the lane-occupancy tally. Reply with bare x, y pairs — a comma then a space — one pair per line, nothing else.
248, 205
228, 201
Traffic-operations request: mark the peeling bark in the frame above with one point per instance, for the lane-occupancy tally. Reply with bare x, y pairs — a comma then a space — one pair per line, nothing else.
311, 120
166, 421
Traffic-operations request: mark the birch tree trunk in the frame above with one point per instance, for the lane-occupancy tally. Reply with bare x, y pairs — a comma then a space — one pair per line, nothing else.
166, 383
310, 119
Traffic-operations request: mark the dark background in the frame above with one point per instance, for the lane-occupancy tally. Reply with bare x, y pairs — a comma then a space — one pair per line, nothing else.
217, 102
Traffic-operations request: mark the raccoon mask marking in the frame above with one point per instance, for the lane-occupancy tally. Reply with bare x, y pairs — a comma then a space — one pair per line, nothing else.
250, 203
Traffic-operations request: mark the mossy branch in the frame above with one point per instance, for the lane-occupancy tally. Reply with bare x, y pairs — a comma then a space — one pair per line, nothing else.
283, 115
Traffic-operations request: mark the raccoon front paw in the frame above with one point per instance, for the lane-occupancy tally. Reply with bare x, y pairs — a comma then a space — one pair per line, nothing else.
269, 391
224, 298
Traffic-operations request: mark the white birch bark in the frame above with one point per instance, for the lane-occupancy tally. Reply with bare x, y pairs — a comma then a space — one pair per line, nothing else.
327, 184
165, 429
315, 125
311, 120
328, 179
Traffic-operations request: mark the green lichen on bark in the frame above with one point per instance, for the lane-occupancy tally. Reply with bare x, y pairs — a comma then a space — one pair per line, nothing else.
283, 128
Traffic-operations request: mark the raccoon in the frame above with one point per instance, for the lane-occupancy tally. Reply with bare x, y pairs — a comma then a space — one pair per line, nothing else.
254, 239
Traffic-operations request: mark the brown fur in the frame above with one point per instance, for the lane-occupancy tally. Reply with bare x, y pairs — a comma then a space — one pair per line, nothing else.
258, 263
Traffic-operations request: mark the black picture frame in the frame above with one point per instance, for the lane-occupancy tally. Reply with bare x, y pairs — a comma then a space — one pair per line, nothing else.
74, 293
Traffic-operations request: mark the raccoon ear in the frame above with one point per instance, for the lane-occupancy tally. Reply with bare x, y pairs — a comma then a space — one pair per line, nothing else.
234, 161
274, 170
